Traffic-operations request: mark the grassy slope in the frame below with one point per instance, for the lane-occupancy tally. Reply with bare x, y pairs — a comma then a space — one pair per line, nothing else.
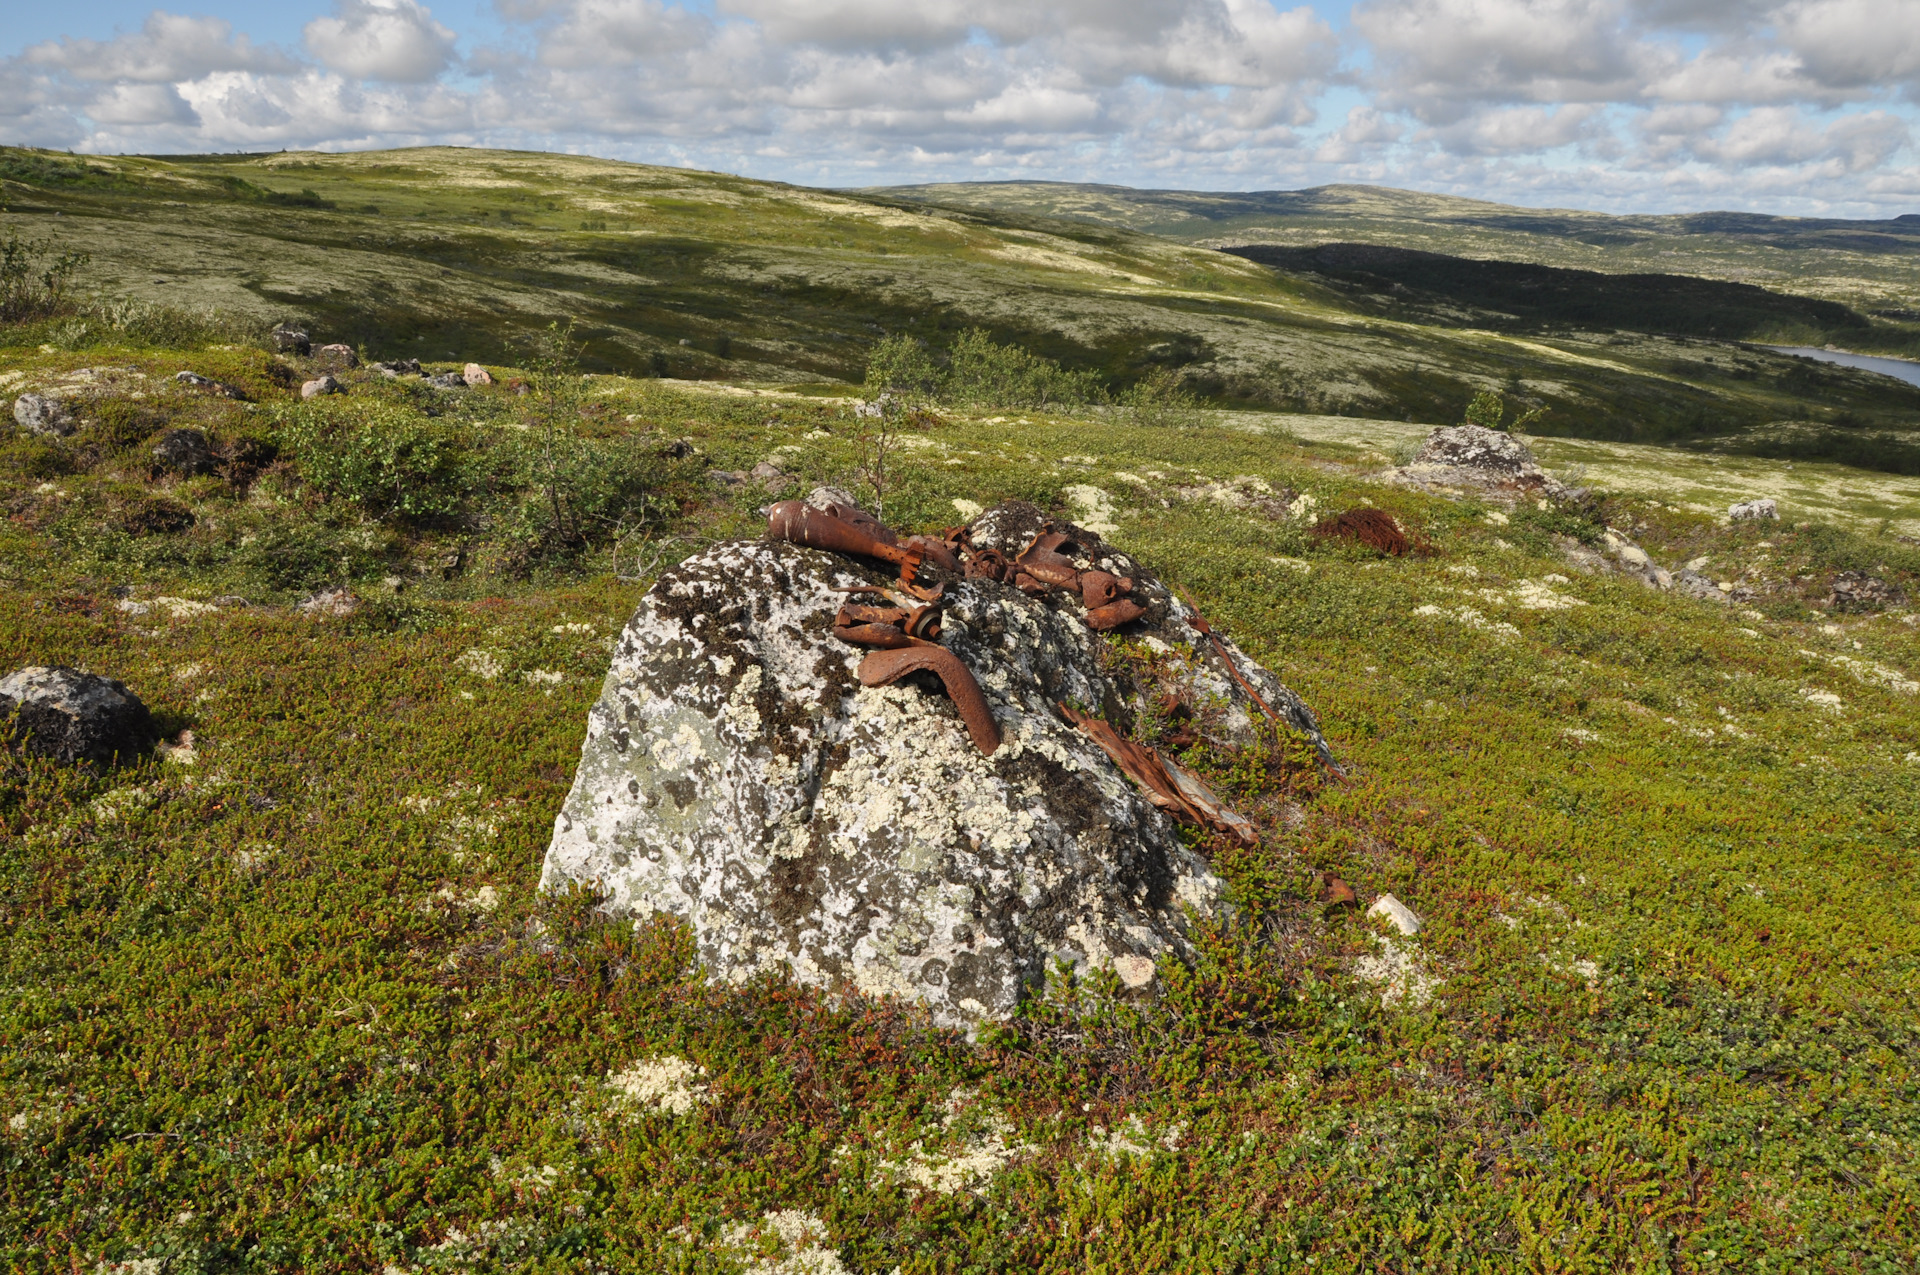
1871, 265
441, 253
256, 1013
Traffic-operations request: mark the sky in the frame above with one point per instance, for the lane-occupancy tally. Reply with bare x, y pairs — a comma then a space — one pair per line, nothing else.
1788, 106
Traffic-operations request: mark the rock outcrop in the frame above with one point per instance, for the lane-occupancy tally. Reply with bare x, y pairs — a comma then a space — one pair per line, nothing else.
736, 774
1480, 459
43, 414
73, 716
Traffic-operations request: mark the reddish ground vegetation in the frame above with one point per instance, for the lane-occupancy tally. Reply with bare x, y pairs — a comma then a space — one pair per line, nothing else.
1372, 527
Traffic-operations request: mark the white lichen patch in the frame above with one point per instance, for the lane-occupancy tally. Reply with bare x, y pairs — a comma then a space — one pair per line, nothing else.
1092, 508
966, 508
120, 804
662, 1084
1404, 979
543, 677
1468, 618
1132, 1140
1293, 564
783, 1242
971, 1145
172, 608
482, 663
1870, 673
1825, 700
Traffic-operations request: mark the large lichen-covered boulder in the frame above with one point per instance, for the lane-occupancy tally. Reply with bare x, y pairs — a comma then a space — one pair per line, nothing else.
72, 716
1484, 460
736, 774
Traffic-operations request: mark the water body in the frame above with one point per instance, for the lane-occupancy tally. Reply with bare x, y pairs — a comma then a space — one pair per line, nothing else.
1905, 369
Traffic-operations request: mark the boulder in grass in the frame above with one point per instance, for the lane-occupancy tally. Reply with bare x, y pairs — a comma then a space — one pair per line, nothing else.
447, 381
1479, 459
340, 356
476, 375
43, 414
183, 451
738, 774
1764, 509
291, 340
72, 716
320, 385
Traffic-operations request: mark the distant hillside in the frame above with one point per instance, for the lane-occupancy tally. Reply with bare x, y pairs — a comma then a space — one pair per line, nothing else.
1873, 266
1430, 287
443, 253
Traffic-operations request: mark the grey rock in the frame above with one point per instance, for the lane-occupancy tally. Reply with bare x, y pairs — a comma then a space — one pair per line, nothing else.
329, 603
291, 340
1856, 591
726, 477
770, 476
1762, 510
1475, 447
340, 356
1695, 585
474, 374
206, 384
1474, 456
736, 774
183, 451
43, 414
448, 381
73, 716
678, 449
399, 367
325, 384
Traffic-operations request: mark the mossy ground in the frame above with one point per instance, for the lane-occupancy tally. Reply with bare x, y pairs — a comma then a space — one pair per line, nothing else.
296, 1004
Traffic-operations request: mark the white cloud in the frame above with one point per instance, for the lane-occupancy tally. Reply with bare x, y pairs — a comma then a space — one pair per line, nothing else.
168, 48
392, 40
1806, 103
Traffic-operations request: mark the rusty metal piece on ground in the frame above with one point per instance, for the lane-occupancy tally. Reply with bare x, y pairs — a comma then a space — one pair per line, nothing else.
1044, 563
803, 524
1220, 649
1097, 588
924, 623
1167, 783
1114, 614
1339, 894
883, 668
885, 636
1374, 528
935, 551
988, 564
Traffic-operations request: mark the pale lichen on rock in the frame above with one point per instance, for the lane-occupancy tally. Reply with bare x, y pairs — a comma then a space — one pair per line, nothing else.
736, 774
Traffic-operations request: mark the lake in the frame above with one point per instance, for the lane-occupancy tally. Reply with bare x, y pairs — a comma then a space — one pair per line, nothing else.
1905, 369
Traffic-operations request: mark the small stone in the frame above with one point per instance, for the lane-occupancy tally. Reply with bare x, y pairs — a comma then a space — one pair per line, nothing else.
476, 375
769, 475
339, 355
1397, 912
393, 584
73, 716
44, 415
183, 451
1134, 971
206, 384
1856, 591
678, 449
399, 367
726, 477
447, 381
1761, 510
291, 340
322, 385
329, 603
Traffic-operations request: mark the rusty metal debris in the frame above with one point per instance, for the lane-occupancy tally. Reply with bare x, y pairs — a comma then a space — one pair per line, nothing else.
1374, 528
1338, 894
906, 634
883, 668
1167, 783
1205, 630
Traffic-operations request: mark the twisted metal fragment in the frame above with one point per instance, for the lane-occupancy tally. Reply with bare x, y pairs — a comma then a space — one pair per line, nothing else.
1167, 783
883, 668
803, 524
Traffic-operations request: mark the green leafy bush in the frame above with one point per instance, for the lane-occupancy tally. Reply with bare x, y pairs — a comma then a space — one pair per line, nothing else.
901, 366
391, 462
1160, 398
982, 373
35, 277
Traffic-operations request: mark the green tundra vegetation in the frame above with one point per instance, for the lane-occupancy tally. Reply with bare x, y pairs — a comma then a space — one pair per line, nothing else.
689, 275
284, 996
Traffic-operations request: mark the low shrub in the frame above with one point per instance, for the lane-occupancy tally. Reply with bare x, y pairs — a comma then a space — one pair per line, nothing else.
391, 462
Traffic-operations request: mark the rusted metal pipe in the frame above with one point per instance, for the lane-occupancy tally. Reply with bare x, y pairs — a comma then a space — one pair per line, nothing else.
884, 668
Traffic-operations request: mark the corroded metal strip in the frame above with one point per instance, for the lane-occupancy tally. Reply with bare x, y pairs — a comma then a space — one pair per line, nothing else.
1114, 614
1166, 782
883, 668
